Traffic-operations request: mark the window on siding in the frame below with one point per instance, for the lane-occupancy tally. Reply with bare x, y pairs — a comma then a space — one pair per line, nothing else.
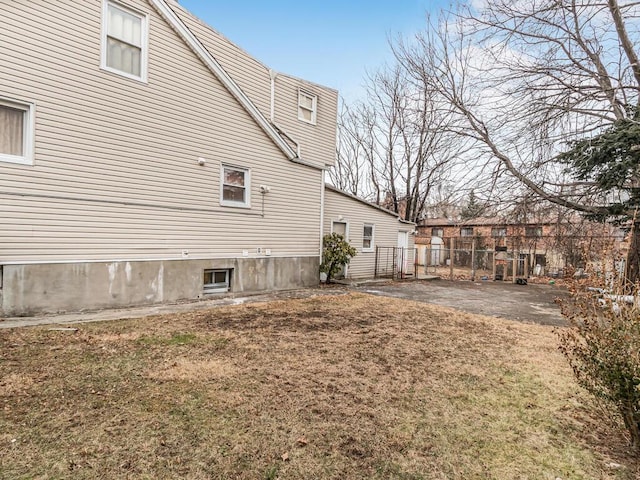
437, 232
499, 232
216, 281
124, 49
16, 132
466, 232
307, 107
235, 186
367, 238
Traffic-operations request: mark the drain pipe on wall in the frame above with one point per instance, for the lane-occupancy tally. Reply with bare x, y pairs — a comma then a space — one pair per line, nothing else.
322, 174
272, 75
272, 113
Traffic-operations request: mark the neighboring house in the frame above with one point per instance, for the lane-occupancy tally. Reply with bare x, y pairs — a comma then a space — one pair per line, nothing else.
370, 229
551, 245
144, 158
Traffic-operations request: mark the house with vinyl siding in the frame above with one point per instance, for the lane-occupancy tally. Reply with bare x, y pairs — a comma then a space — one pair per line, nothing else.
145, 158
381, 238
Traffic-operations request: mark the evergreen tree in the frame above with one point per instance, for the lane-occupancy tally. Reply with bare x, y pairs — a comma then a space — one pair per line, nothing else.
473, 209
611, 162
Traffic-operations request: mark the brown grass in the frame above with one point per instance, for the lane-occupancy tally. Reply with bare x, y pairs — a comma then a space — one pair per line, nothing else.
333, 387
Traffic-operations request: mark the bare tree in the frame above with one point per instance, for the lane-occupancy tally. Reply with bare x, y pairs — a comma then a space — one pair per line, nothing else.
524, 79
394, 148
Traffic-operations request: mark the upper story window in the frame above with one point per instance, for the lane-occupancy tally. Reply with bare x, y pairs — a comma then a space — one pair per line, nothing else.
466, 232
367, 238
437, 232
235, 184
307, 107
533, 231
124, 41
499, 232
16, 131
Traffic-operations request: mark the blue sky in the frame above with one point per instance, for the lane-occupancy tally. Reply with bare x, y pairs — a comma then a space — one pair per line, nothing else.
331, 42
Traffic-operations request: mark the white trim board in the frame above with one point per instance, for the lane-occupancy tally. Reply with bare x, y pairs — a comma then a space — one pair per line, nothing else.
212, 64
159, 259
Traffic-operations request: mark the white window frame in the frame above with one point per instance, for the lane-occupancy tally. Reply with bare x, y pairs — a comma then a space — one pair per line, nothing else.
222, 287
247, 187
144, 41
437, 232
498, 232
371, 248
314, 106
28, 132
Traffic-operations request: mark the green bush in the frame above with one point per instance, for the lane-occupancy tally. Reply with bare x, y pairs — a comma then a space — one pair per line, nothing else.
336, 253
602, 346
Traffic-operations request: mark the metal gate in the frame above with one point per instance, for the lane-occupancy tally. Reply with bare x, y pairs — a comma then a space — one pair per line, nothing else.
395, 262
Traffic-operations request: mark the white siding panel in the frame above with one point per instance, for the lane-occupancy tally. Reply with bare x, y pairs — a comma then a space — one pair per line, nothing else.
356, 214
116, 173
318, 142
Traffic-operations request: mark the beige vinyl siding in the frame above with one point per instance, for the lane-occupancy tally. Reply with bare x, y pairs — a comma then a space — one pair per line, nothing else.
318, 142
116, 173
356, 213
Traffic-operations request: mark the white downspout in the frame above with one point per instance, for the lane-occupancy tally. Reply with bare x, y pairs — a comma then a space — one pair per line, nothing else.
272, 112
322, 188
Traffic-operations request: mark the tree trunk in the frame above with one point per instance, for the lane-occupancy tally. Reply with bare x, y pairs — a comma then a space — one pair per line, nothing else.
632, 270
632, 424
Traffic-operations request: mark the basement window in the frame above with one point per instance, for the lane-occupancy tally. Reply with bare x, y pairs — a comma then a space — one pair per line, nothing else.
216, 281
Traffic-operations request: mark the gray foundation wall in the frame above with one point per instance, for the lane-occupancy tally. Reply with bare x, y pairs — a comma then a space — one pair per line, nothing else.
41, 288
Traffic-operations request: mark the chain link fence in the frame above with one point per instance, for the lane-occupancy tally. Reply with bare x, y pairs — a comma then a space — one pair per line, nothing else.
461, 259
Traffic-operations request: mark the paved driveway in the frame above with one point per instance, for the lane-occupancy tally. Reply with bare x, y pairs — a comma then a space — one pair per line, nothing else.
528, 303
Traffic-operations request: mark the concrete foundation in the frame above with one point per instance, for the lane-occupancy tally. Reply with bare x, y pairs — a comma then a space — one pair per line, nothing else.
44, 288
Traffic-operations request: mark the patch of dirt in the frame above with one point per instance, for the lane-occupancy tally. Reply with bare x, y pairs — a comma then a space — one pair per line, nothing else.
328, 387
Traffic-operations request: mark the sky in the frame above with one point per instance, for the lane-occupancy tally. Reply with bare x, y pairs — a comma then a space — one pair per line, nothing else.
330, 42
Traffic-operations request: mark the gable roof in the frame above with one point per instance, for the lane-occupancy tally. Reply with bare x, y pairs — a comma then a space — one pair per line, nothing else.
163, 8
372, 205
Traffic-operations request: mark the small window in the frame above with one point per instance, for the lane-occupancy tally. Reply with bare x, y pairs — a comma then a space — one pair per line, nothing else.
498, 232
367, 238
533, 231
124, 41
466, 232
16, 132
216, 281
437, 232
307, 107
235, 187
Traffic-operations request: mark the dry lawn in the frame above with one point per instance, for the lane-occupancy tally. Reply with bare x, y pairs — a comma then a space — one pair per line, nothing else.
330, 387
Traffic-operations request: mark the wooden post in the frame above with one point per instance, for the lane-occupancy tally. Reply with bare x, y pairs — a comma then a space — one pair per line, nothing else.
451, 240
515, 266
473, 260
375, 265
494, 264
